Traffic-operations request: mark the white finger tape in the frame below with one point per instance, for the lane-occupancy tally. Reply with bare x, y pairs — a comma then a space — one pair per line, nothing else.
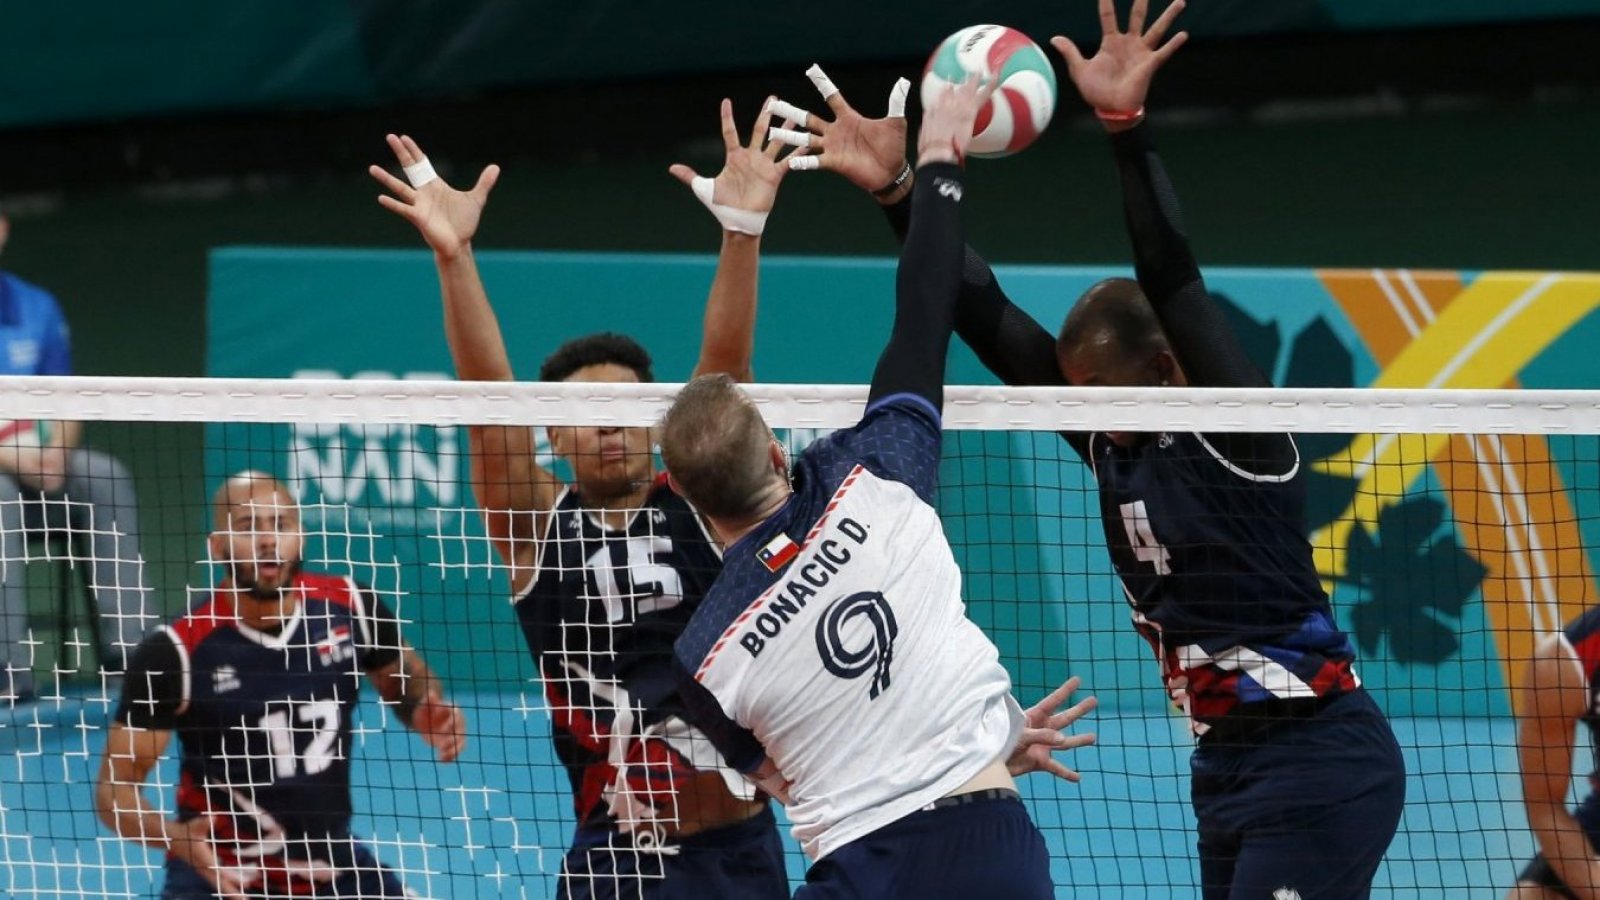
805, 163
420, 172
731, 218
783, 109
789, 136
825, 85
897, 99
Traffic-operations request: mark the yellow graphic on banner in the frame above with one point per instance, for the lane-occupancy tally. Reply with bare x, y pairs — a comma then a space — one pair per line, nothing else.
1512, 510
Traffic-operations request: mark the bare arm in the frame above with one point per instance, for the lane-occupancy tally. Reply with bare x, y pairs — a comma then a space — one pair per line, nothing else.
1552, 697
510, 487
418, 698
119, 798
120, 803
741, 197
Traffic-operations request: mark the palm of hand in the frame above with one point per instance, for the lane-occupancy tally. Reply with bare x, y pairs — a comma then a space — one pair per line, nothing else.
1118, 76
748, 181
869, 152
448, 217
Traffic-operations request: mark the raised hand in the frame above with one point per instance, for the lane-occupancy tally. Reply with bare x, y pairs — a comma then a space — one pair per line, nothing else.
442, 725
1044, 734
447, 218
1116, 79
947, 122
744, 191
871, 153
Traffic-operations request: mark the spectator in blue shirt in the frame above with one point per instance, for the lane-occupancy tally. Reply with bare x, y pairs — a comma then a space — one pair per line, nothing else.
50, 484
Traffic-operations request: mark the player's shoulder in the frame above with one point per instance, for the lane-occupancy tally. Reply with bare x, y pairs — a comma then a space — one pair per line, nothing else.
337, 590
25, 291
197, 626
741, 582
1581, 637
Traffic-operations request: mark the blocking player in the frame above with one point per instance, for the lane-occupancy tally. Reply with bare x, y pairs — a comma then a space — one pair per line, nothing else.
606, 570
260, 684
833, 662
1557, 689
1298, 781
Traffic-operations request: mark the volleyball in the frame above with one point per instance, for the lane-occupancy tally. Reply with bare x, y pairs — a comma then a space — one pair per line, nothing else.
24, 432
1024, 99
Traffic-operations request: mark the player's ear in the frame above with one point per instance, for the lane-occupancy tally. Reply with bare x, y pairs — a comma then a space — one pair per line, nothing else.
1166, 368
217, 545
778, 456
558, 440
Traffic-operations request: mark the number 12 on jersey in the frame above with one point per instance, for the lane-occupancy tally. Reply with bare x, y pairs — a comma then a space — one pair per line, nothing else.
1136, 520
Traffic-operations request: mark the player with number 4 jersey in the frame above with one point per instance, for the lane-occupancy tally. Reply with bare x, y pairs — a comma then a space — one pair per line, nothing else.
1298, 781
260, 684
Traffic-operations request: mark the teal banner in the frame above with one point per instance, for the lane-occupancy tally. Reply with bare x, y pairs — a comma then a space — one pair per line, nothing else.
392, 503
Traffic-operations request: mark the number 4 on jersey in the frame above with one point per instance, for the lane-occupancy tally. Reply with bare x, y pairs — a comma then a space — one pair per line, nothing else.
1143, 541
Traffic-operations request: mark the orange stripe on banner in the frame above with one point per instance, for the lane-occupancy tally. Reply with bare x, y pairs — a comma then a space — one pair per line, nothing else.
1506, 495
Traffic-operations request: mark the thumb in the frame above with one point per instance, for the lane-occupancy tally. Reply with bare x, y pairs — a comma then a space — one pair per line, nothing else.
683, 173
486, 183
1069, 52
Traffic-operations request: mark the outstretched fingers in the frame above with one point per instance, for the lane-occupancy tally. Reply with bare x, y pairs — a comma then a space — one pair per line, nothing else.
392, 184
1163, 23
730, 134
683, 173
486, 182
1108, 19
1160, 57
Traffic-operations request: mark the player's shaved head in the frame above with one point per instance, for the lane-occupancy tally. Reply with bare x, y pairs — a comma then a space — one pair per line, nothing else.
241, 487
1113, 313
717, 447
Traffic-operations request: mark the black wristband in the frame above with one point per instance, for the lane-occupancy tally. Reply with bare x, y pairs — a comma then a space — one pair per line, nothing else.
900, 179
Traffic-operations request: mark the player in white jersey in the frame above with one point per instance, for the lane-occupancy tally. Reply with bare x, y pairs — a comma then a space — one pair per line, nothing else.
833, 661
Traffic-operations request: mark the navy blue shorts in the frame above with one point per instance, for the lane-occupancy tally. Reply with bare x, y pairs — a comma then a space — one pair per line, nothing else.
1539, 871
973, 851
1306, 805
361, 877
742, 861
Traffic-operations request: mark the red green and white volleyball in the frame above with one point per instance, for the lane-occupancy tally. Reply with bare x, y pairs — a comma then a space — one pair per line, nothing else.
1022, 102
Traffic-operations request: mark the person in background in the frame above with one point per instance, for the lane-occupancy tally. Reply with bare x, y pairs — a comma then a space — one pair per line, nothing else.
49, 483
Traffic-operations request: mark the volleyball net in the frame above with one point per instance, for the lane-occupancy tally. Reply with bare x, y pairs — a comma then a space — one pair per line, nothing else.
1451, 528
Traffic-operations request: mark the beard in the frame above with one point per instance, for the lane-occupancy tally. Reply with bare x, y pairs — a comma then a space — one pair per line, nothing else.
244, 579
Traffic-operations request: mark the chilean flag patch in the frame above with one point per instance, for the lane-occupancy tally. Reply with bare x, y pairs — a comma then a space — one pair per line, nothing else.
778, 552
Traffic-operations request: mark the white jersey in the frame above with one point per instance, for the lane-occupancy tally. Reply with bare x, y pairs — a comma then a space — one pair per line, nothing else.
836, 644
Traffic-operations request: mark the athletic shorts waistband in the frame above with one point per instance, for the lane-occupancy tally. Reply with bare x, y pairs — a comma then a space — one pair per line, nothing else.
973, 797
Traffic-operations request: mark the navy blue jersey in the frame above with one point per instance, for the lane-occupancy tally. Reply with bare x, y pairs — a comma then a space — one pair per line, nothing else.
836, 644
1219, 574
1583, 634
600, 619
263, 720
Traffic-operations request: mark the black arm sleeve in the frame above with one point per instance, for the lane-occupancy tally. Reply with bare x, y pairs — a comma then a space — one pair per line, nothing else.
1196, 328
1008, 341
926, 286
152, 687
383, 628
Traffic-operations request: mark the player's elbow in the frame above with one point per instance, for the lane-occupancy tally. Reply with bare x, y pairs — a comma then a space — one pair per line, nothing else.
105, 804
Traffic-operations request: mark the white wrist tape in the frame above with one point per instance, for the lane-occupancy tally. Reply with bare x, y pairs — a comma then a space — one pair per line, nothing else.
420, 172
897, 99
731, 218
825, 85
